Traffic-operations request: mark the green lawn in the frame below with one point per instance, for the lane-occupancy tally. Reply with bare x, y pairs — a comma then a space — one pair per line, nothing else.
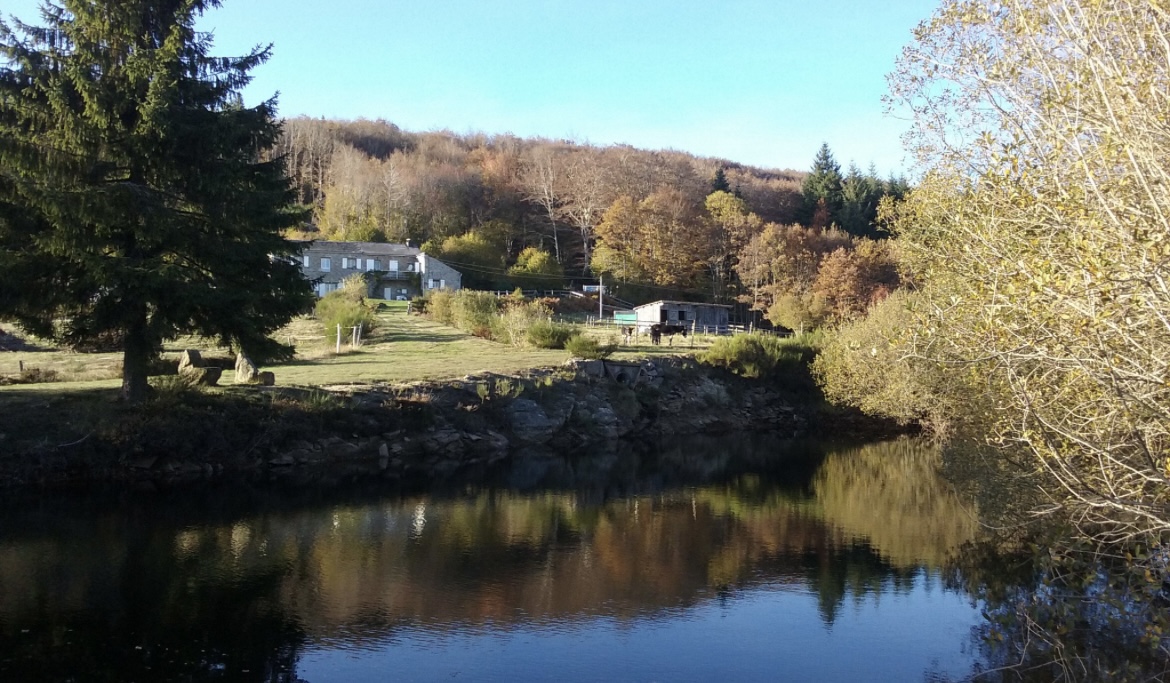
404, 348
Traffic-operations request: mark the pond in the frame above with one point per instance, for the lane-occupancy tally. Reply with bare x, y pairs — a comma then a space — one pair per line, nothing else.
752, 559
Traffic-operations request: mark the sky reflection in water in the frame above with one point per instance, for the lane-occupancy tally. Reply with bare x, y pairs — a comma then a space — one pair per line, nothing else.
766, 633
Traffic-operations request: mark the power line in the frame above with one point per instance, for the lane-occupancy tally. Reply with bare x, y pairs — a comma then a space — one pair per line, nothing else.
485, 270
491, 271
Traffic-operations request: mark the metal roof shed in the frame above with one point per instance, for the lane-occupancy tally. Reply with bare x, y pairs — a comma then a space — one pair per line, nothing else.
687, 313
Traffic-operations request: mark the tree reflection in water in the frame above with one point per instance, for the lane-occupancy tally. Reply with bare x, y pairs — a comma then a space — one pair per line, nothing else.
108, 598
235, 581
1058, 606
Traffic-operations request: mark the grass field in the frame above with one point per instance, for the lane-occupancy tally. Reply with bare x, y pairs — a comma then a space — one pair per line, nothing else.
404, 348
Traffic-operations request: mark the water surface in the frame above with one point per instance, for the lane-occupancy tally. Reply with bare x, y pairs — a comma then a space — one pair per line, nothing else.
736, 560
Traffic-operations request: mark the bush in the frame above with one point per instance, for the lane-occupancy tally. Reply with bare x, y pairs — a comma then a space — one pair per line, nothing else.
512, 324
163, 366
760, 356
173, 389
797, 312
474, 312
589, 348
32, 376
537, 269
571, 305
440, 305
549, 335
347, 307
864, 364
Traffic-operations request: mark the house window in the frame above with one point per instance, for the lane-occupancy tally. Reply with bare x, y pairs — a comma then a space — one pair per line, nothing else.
346, 262
682, 316
325, 264
442, 284
371, 264
430, 284
392, 266
305, 260
410, 267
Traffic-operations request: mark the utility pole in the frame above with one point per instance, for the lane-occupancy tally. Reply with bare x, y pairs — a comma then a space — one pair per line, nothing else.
600, 296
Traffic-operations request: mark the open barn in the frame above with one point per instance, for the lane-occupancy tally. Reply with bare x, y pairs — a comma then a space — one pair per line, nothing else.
711, 318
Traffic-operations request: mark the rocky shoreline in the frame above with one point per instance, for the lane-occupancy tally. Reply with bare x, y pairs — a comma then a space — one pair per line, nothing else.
432, 429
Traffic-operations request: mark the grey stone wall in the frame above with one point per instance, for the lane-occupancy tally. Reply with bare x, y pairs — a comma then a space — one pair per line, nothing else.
438, 275
401, 270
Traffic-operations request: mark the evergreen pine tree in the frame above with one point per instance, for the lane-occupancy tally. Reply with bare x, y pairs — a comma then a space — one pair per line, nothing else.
719, 184
136, 201
822, 187
860, 194
896, 186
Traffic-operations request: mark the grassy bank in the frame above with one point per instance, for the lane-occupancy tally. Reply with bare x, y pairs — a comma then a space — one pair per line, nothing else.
404, 348
44, 417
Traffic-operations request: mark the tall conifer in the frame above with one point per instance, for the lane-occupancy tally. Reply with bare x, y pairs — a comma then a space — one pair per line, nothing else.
136, 199
822, 187
860, 194
719, 183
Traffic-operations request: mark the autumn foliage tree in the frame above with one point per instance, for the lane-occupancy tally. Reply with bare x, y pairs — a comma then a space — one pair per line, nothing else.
659, 240
1041, 232
537, 269
731, 225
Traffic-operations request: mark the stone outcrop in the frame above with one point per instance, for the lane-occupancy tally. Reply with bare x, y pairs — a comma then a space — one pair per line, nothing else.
531, 423
430, 429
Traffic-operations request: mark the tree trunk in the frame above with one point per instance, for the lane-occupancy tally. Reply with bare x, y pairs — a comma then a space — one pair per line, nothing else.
136, 352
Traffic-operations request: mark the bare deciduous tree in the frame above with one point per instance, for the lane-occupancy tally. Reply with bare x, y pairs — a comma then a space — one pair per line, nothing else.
1042, 232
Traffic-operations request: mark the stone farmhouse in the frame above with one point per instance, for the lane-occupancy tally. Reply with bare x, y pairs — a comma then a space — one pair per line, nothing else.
392, 271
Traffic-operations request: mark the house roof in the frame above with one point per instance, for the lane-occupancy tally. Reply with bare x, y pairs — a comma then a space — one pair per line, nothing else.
364, 248
660, 302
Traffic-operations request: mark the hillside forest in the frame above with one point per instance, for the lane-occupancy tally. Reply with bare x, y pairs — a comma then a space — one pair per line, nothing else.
803, 248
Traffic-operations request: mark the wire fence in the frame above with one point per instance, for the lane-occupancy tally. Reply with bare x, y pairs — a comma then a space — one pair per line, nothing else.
692, 327
354, 334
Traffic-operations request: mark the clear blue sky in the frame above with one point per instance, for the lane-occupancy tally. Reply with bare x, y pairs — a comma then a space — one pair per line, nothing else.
763, 82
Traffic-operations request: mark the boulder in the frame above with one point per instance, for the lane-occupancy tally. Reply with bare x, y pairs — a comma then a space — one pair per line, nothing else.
190, 359
207, 377
246, 370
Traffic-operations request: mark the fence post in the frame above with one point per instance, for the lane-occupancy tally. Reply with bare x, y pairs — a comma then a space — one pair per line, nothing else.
338, 337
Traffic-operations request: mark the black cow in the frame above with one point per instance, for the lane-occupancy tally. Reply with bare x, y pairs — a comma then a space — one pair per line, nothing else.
656, 332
